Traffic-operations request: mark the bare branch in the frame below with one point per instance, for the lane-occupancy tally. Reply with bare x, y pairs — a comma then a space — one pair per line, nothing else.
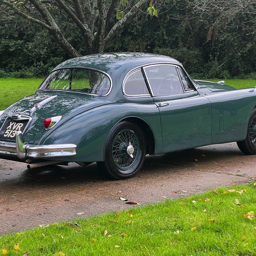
24, 15
124, 20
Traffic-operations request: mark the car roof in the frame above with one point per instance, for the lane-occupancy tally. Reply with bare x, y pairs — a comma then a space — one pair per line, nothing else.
112, 62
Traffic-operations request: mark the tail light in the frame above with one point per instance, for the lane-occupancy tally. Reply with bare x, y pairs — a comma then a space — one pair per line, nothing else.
51, 121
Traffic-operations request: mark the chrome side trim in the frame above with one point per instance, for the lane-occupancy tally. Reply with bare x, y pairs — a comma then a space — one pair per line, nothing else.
23, 150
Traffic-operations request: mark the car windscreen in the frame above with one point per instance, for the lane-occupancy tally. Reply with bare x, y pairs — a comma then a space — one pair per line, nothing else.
78, 79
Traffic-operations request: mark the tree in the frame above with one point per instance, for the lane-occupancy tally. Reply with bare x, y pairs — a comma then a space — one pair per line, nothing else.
93, 18
224, 13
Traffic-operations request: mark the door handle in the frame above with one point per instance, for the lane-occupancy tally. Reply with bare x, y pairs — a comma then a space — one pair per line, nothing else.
162, 104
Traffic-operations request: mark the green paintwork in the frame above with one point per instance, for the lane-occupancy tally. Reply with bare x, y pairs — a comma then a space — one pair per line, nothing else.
211, 113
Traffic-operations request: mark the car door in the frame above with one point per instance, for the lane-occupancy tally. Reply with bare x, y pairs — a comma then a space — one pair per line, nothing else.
185, 115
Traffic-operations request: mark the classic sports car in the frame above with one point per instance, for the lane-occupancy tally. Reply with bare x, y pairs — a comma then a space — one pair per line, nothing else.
115, 108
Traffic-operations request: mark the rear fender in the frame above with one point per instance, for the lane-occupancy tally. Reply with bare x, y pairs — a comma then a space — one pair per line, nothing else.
90, 129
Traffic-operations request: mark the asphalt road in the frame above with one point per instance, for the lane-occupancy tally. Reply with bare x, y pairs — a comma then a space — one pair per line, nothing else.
29, 198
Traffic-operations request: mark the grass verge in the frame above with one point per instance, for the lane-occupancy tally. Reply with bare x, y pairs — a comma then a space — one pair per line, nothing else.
13, 89
219, 222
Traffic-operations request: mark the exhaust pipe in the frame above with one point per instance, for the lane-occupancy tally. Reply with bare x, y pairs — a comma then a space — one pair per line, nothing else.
41, 164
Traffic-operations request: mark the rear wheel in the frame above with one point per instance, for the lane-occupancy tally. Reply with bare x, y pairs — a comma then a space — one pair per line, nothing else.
248, 146
124, 151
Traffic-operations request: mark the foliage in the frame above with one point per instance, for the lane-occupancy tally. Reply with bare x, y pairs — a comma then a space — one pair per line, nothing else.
209, 42
219, 222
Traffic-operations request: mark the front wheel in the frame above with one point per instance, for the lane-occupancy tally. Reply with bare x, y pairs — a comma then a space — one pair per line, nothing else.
248, 146
124, 151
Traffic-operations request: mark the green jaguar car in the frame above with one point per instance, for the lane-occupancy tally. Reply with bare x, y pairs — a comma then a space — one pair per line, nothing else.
116, 108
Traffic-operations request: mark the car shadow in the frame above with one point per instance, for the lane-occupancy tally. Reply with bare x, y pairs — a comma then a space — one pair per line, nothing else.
160, 164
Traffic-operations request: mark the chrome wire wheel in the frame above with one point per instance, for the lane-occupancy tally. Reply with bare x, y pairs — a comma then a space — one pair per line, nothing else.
248, 146
125, 149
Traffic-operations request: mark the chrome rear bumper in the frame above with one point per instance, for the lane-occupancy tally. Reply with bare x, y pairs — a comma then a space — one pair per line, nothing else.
23, 150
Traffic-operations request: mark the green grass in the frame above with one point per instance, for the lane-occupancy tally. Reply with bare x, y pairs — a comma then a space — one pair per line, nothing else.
13, 89
237, 83
219, 222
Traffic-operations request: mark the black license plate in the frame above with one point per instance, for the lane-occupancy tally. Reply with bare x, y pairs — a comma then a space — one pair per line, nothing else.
11, 127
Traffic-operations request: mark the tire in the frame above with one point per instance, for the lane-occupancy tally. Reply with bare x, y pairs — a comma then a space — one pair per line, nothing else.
248, 146
125, 151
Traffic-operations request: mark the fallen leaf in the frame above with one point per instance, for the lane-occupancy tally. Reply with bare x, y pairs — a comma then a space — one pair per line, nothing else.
163, 196
176, 232
237, 202
123, 235
131, 202
109, 235
184, 191
225, 192
117, 246
93, 240
250, 215
25, 253
123, 199
214, 191
105, 232
80, 213
59, 254
245, 191
4, 251
193, 229
205, 210
231, 190
207, 199
194, 202
212, 220
17, 247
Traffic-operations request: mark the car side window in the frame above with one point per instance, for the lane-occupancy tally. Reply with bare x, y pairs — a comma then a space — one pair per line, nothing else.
185, 80
135, 85
164, 80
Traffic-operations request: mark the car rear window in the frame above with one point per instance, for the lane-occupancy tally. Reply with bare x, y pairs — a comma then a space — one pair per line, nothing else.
78, 79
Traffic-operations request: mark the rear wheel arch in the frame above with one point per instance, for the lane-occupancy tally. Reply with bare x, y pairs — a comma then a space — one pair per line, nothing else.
145, 128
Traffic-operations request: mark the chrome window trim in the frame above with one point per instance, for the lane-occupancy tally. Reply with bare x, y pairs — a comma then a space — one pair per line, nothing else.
156, 64
125, 80
169, 64
186, 91
94, 69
